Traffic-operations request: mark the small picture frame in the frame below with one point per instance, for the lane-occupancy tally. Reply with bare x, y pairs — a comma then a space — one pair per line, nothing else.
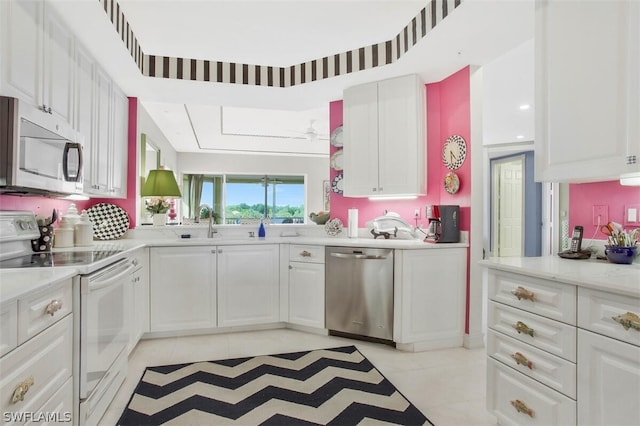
326, 191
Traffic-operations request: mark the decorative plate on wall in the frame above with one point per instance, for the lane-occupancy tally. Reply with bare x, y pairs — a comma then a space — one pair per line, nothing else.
336, 184
110, 222
336, 137
451, 182
336, 160
454, 152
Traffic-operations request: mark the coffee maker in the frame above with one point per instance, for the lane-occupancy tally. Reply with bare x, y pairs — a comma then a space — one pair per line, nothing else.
444, 224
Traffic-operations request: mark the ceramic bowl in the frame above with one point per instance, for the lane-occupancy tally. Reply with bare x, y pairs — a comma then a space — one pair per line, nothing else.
619, 254
320, 218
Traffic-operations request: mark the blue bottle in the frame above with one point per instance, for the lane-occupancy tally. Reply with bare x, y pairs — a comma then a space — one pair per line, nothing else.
261, 230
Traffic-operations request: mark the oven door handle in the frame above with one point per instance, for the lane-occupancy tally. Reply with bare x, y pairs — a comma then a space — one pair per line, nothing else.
98, 284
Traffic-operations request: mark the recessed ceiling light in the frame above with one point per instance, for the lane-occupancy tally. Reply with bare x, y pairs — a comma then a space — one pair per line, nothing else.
525, 106
519, 137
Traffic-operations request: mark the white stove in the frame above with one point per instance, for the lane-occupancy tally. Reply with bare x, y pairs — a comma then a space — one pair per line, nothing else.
19, 228
100, 294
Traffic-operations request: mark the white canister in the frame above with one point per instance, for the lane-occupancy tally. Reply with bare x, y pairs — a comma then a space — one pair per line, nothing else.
63, 236
72, 215
83, 231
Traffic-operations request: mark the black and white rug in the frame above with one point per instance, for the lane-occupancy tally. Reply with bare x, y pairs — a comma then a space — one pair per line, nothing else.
337, 386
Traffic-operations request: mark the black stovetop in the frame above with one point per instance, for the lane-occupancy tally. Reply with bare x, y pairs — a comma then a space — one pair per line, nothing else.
49, 259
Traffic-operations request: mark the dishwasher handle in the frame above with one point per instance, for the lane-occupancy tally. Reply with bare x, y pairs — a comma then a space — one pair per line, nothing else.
358, 256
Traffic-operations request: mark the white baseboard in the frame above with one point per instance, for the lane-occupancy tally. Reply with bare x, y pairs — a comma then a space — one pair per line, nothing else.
474, 341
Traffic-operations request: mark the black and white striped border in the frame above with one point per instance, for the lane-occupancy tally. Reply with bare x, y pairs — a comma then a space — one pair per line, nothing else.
363, 58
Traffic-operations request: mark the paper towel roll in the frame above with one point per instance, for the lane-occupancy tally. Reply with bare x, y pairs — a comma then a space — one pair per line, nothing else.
352, 223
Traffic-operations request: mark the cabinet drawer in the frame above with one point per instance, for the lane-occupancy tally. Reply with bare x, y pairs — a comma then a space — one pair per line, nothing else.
540, 405
552, 300
44, 360
39, 310
548, 369
605, 313
58, 409
305, 253
549, 335
8, 327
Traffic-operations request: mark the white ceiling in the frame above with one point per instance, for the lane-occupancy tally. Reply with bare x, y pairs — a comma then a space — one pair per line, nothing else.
281, 33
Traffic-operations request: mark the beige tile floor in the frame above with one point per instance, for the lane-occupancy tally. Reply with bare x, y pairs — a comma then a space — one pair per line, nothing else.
448, 386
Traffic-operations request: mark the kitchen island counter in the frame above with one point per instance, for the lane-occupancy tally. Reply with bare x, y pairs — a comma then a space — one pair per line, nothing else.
591, 273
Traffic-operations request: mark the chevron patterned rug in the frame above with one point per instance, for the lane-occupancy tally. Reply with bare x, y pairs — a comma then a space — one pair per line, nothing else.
337, 386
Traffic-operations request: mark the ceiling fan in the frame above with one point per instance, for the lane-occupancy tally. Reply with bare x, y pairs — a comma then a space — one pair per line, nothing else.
311, 133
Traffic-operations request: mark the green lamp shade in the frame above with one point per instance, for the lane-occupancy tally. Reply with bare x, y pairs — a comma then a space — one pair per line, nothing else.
161, 183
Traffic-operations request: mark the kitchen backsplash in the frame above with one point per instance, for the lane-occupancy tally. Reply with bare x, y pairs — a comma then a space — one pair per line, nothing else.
615, 198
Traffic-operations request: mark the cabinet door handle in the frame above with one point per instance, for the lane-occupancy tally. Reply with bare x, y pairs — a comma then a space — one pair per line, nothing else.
21, 390
523, 293
290, 267
523, 328
628, 320
521, 407
305, 253
53, 307
521, 359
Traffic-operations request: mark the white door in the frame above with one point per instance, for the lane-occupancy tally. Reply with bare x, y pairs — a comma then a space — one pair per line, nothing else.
182, 288
306, 294
608, 381
248, 285
508, 211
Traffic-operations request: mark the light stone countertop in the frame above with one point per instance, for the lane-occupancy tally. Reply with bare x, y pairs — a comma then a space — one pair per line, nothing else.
591, 273
18, 282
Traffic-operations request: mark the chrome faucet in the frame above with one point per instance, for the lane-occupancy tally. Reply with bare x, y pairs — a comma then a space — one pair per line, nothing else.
210, 230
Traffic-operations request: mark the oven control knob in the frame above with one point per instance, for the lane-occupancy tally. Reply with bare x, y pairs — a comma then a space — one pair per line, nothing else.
23, 224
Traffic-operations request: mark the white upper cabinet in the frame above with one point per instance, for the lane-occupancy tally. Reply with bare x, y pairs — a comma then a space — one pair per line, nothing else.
106, 149
21, 49
38, 57
587, 90
384, 138
59, 66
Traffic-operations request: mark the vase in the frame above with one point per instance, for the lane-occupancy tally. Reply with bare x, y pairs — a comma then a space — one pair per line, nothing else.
159, 219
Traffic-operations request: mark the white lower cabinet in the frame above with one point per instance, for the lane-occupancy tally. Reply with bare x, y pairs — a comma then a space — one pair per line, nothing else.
517, 399
248, 285
429, 298
31, 374
306, 285
583, 370
608, 359
138, 298
182, 288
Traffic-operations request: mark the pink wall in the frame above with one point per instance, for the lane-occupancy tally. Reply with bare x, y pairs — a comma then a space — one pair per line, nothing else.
44, 205
583, 196
448, 113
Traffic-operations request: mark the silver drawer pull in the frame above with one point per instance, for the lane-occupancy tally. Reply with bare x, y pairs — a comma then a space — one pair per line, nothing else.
21, 390
53, 307
521, 407
628, 320
305, 253
523, 293
521, 359
523, 328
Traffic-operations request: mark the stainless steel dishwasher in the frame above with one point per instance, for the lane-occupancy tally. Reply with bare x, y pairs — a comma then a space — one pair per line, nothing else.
359, 292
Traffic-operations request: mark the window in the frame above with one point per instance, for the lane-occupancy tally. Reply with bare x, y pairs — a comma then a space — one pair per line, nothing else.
237, 199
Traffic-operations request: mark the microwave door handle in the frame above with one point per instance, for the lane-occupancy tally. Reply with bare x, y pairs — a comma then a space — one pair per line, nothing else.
98, 284
65, 161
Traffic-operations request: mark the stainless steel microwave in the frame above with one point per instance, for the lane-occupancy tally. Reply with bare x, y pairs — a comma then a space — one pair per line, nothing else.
39, 153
